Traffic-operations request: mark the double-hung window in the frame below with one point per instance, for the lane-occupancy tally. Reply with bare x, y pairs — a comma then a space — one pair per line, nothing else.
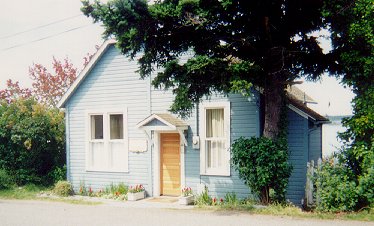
107, 148
215, 139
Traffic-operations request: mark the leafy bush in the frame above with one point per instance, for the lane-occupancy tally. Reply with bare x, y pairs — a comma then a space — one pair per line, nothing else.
336, 189
231, 199
120, 188
58, 174
32, 141
262, 164
63, 188
366, 186
203, 199
366, 179
6, 181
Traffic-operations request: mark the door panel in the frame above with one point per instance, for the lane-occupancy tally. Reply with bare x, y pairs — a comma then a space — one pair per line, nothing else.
170, 183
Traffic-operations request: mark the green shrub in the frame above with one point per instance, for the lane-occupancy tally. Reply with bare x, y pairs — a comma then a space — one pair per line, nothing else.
336, 189
117, 189
58, 174
203, 199
366, 179
262, 164
6, 181
63, 188
32, 141
231, 199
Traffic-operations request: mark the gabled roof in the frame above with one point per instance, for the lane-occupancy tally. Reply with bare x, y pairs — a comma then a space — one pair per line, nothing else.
82, 75
298, 94
302, 109
166, 120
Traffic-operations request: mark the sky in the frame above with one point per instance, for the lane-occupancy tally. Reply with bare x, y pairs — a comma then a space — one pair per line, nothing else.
38, 30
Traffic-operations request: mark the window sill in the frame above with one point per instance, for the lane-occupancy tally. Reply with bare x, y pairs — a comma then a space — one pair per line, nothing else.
218, 174
107, 171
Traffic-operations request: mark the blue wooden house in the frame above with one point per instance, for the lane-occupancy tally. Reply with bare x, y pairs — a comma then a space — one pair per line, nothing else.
118, 129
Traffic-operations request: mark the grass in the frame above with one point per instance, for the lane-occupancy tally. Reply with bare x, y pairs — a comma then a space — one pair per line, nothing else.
31, 192
26, 192
292, 211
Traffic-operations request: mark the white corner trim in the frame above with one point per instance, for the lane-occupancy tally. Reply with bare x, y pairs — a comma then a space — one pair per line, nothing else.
156, 165
82, 75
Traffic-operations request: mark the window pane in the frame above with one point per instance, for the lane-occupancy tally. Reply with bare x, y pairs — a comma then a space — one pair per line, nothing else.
209, 154
116, 126
214, 153
214, 123
215, 137
97, 127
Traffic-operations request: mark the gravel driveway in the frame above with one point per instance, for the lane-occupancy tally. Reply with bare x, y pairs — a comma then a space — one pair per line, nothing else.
40, 213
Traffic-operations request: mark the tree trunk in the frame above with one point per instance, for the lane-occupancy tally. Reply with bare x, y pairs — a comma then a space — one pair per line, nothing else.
273, 105
264, 196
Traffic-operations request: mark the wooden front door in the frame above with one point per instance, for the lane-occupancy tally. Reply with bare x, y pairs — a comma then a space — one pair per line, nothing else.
170, 172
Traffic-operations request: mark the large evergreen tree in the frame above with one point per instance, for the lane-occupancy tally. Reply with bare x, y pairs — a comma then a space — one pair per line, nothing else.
233, 42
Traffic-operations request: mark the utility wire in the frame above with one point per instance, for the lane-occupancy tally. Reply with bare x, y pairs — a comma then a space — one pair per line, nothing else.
43, 38
38, 27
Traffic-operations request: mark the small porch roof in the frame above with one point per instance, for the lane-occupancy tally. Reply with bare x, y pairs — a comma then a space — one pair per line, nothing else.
162, 121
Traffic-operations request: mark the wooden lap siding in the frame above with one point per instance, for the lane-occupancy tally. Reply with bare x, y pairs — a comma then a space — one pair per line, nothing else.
298, 156
112, 83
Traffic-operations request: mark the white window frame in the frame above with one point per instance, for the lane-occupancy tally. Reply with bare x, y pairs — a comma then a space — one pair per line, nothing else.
225, 169
106, 139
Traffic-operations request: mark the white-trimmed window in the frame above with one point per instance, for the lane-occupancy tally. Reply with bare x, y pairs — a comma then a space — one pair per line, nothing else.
107, 144
215, 139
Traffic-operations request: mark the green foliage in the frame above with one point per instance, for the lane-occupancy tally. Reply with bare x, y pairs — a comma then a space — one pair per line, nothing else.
231, 199
262, 164
114, 189
203, 199
58, 173
32, 141
82, 189
351, 26
234, 43
29, 191
6, 181
63, 188
336, 191
366, 178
